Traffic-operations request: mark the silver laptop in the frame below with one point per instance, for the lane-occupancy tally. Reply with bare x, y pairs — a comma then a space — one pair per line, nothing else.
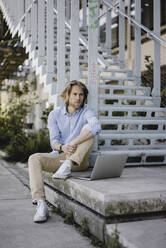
106, 166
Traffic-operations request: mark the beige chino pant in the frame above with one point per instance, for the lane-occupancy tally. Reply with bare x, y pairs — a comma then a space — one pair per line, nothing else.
50, 162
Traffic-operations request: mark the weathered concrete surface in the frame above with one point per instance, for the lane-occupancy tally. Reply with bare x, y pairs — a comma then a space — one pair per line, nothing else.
138, 190
17, 229
139, 234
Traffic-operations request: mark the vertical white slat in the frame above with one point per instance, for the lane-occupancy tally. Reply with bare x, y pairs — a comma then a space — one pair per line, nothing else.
20, 9
15, 11
156, 70
68, 10
74, 41
129, 37
28, 19
122, 34
137, 62
84, 11
93, 80
34, 24
60, 49
50, 40
11, 15
109, 32
41, 28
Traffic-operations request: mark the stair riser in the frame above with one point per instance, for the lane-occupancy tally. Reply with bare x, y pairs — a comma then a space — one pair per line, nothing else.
124, 91
130, 144
132, 102
136, 114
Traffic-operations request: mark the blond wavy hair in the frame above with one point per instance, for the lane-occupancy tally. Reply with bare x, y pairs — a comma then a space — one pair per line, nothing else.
67, 90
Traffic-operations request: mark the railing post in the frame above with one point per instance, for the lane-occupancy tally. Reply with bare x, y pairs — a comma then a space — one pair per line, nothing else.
84, 11
109, 32
137, 66
50, 41
156, 65
41, 28
28, 19
34, 24
74, 41
21, 7
129, 60
60, 49
122, 35
93, 28
68, 10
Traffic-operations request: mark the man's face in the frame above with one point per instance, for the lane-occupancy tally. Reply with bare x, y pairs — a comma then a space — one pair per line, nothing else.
76, 97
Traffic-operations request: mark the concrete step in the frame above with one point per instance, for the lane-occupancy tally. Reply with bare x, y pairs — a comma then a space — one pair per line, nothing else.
129, 100
138, 234
132, 140
123, 89
135, 136
134, 125
115, 78
131, 112
137, 157
132, 121
140, 193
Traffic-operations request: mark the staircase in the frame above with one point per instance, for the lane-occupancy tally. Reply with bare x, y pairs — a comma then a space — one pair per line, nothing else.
131, 117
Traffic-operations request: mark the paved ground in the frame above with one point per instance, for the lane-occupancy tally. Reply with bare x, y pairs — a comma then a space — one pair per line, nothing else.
141, 234
17, 229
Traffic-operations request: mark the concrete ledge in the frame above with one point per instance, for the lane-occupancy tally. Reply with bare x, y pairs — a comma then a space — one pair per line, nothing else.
140, 191
137, 193
95, 223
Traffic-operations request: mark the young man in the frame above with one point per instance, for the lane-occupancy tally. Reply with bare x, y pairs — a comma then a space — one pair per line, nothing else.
72, 128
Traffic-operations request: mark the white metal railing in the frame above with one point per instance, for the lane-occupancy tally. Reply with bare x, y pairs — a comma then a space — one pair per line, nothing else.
136, 23
84, 41
132, 21
28, 15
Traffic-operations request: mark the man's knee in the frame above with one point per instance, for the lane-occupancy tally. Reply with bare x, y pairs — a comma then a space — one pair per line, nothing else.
33, 157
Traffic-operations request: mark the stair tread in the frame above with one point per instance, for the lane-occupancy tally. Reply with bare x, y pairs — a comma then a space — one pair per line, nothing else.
131, 120
136, 151
107, 86
118, 96
132, 108
117, 78
160, 135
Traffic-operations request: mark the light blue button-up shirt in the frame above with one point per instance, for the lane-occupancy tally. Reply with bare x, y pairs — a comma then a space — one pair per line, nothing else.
64, 127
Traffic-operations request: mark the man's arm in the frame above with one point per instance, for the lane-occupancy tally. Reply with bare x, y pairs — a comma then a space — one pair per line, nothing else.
54, 131
91, 129
84, 135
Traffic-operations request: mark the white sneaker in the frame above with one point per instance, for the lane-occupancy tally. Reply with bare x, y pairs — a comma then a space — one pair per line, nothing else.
64, 171
42, 212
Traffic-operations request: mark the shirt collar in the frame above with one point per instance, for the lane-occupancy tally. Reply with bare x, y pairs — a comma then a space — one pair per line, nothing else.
64, 111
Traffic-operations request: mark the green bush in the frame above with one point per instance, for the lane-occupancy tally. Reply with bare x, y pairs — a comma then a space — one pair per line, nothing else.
17, 143
147, 78
22, 145
15, 150
4, 134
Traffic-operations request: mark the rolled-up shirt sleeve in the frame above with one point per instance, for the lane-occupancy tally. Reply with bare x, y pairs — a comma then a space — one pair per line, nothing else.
93, 124
54, 131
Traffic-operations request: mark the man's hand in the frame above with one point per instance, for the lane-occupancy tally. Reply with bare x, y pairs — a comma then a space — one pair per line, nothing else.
69, 149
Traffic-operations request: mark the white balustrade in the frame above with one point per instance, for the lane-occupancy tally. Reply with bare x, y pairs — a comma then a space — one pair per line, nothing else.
60, 49
74, 41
